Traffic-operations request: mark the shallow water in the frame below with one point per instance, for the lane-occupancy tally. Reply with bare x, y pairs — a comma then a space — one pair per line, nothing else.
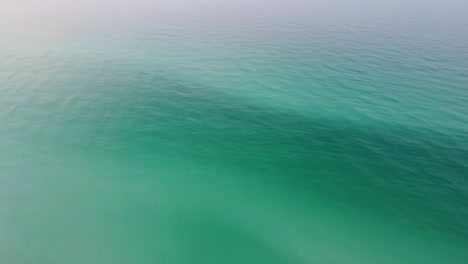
198, 131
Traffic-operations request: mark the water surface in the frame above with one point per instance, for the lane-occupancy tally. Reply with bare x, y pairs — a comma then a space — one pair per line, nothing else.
201, 131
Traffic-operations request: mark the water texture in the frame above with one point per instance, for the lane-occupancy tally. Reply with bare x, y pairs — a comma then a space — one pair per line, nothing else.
202, 131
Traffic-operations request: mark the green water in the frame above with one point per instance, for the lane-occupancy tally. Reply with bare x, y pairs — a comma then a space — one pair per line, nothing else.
201, 131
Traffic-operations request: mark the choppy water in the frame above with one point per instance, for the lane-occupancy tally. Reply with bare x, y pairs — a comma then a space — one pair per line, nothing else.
201, 131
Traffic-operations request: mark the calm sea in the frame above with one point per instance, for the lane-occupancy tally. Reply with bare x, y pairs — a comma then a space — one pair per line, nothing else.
226, 132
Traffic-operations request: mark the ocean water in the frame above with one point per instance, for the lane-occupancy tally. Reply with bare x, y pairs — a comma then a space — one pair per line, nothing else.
261, 131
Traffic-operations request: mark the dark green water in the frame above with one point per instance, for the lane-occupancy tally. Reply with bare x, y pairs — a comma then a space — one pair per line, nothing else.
201, 131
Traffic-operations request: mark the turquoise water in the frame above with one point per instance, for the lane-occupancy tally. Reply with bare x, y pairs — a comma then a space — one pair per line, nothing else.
201, 131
